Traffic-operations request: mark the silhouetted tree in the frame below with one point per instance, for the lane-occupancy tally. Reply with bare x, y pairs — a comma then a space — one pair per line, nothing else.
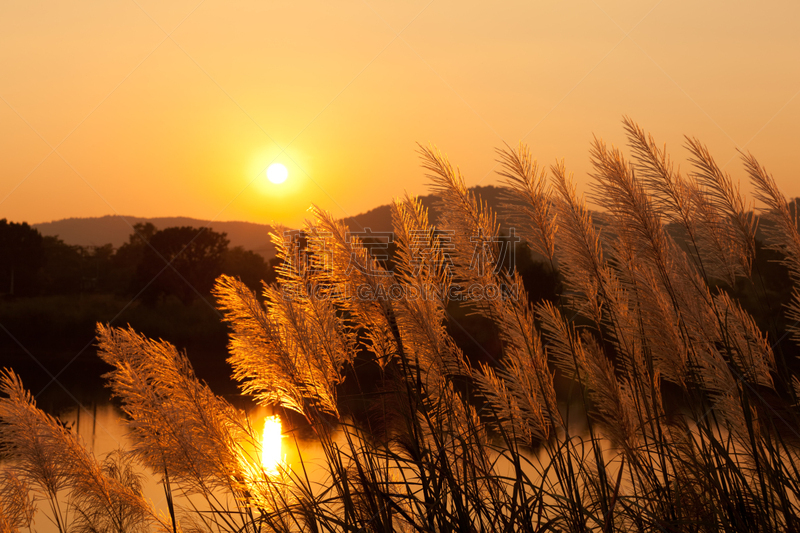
247, 266
127, 258
272, 270
72, 269
182, 261
62, 272
21, 257
131, 251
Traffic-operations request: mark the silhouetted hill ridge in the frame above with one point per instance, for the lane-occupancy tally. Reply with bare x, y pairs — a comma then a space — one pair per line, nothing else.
113, 229
253, 236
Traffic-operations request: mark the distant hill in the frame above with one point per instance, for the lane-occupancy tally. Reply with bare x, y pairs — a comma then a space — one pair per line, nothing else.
97, 231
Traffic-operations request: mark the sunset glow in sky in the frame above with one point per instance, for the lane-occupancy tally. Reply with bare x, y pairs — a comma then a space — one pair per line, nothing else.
167, 108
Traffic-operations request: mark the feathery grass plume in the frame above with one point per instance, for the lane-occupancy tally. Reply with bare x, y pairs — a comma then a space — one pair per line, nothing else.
527, 182
92, 513
637, 222
31, 437
357, 281
527, 422
719, 255
722, 213
332, 251
472, 224
752, 356
652, 321
581, 359
640, 229
692, 308
681, 201
588, 273
179, 427
796, 388
262, 363
524, 359
578, 247
618, 190
16, 502
530, 384
614, 399
471, 220
522, 386
421, 271
668, 189
782, 234
447, 439
400, 323
737, 217
705, 457
460, 417
290, 351
52, 459
724, 390
623, 333
312, 308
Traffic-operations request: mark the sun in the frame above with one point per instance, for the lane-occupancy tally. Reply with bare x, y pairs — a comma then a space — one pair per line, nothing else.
277, 173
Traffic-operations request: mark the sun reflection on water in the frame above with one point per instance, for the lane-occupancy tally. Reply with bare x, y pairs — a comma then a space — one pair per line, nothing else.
271, 448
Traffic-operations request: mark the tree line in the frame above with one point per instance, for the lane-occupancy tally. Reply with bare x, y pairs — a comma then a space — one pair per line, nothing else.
180, 262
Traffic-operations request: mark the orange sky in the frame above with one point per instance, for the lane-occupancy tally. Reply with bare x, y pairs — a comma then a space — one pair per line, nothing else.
160, 108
